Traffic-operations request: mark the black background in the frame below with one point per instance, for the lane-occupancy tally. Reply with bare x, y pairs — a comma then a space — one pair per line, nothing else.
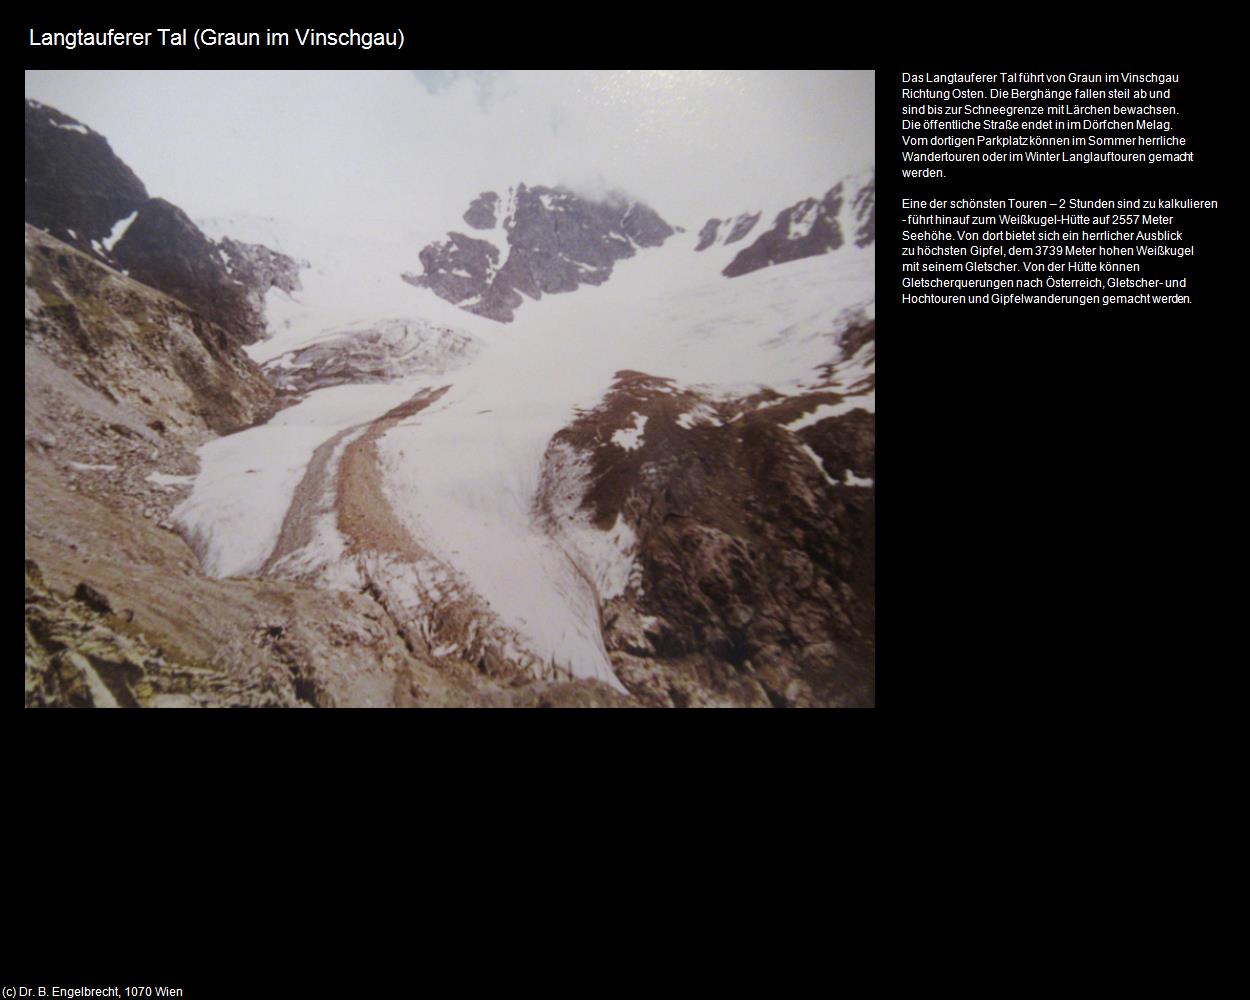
1044, 474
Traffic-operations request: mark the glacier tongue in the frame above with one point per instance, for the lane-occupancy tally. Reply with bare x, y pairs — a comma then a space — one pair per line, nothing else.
241, 496
462, 475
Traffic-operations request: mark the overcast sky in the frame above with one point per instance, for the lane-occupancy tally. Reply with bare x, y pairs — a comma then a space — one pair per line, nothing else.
406, 151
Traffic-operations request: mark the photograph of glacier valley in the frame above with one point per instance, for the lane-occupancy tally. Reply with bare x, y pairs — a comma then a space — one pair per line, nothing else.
517, 389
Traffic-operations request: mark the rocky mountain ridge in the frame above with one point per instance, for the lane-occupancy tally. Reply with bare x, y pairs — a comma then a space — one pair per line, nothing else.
548, 240
847, 213
542, 240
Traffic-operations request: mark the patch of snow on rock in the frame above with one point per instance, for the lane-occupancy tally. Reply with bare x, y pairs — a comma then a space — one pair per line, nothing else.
701, 416
119, 230
801, 226
820, 463
630, 438
165, 479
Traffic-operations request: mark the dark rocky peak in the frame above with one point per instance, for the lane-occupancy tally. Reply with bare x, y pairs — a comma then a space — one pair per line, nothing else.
644, 226
76, 186
79, 191
813, 226
163, 248
742, 225
555, 223
556, 240
482, 211
707, 235
733, 230
805, 229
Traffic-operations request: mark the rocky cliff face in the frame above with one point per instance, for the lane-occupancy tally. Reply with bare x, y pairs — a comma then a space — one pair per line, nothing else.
545, 241
810, 227
460, 269
76, 187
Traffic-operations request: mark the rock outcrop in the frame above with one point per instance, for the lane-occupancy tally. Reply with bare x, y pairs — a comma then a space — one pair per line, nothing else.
258, 268
812, 226
481, 212
460, 269
556, 241
726, 231
707, 235
805, 229
80, 654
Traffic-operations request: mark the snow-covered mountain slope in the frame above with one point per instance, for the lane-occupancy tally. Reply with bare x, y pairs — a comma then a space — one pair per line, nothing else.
461, 470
